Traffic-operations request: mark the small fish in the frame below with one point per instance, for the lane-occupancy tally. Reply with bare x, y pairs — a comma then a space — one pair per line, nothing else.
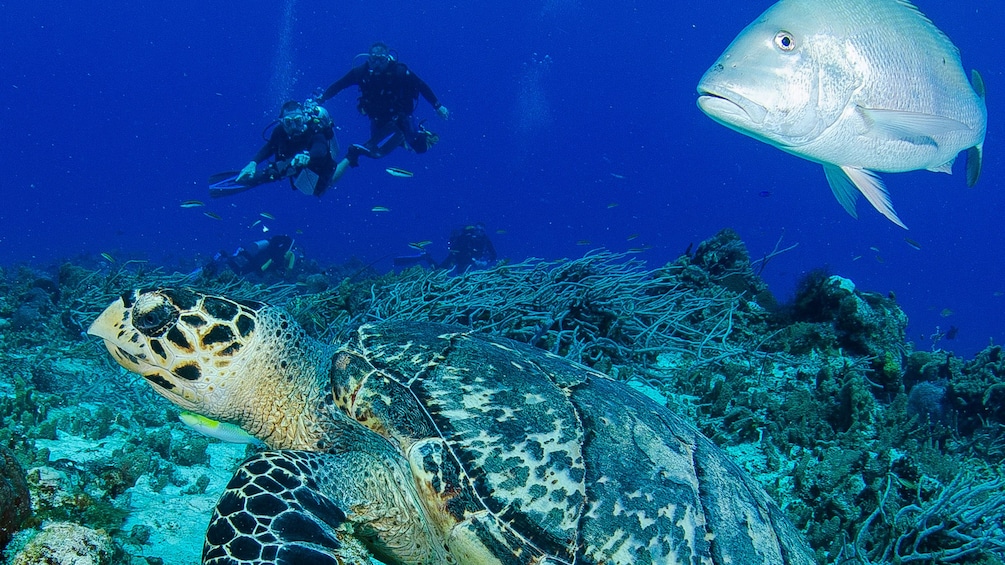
212, 215
856, 257
255, 224
946, 312
631, 237
501, 232
192, 204
764, 193
874, 248
913, 243
640, 249
420, 245
612, 205
380, 209
617, 176
858, 86
879, 259
583, 242
108, 257
998, 293
267, 215
219, 430
400, 173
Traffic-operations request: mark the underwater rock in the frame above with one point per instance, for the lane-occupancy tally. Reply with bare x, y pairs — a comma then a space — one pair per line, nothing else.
864, 323
15, 500
51, 489
724, 257
978, 391
316, 284
26, 317
72, 276
65, 543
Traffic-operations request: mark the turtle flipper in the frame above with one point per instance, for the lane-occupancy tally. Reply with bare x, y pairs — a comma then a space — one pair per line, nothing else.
299, 507
272, 512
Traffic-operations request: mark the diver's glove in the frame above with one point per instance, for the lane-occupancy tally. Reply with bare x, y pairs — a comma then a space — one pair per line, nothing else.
300, 160
443, 112
247, 172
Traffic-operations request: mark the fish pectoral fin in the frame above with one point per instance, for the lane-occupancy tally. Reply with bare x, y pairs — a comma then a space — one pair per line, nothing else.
845, 180
912, 127
843, 189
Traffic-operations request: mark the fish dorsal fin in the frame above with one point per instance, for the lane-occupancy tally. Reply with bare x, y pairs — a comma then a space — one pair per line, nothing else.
936, 32
914, 127
845, 180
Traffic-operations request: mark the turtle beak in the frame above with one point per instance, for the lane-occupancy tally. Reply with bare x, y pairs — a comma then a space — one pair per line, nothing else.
108, 325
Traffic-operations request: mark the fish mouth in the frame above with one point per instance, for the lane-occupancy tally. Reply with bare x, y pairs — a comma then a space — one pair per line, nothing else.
730, 108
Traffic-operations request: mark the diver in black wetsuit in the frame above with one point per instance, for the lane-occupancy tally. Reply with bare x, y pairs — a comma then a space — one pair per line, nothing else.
469, 247
388, 91
267, 256
302, 147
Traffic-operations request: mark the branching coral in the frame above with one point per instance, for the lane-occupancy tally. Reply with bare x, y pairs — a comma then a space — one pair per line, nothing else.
958, 520
600, 309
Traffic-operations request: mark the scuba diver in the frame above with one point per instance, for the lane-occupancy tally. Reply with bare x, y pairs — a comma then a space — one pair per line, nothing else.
273, 256
469, 247
388, 91
302, 147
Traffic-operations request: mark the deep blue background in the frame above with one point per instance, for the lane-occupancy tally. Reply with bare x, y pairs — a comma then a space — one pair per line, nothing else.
115, 112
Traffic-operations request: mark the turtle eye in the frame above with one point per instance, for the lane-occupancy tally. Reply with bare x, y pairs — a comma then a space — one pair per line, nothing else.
152, 320
785, 41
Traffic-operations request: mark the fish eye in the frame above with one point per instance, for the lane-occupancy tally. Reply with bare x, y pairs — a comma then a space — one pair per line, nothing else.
785, 41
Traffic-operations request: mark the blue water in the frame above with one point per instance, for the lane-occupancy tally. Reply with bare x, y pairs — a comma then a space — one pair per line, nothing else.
115, 112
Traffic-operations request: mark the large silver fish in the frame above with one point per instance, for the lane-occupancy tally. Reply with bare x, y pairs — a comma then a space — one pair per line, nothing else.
855, 85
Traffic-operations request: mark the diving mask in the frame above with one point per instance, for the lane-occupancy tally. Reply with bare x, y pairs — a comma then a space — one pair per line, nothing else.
378, 59
294, 123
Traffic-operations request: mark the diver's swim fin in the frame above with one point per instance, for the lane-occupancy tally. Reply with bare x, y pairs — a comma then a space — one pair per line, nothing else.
412, 260
225, 184
224, 176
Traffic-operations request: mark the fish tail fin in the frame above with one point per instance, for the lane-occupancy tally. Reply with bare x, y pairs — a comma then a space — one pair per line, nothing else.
975, 158
846, 180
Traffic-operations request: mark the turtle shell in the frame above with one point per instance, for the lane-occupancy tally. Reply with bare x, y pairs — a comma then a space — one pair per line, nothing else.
525, 456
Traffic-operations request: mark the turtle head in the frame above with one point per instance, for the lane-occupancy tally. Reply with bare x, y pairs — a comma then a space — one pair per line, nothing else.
234, 361
184, 343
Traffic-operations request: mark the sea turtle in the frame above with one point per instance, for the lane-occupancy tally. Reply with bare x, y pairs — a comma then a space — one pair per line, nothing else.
429, 443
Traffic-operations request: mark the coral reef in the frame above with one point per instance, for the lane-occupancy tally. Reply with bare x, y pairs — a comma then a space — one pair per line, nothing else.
859, 437
66, 544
